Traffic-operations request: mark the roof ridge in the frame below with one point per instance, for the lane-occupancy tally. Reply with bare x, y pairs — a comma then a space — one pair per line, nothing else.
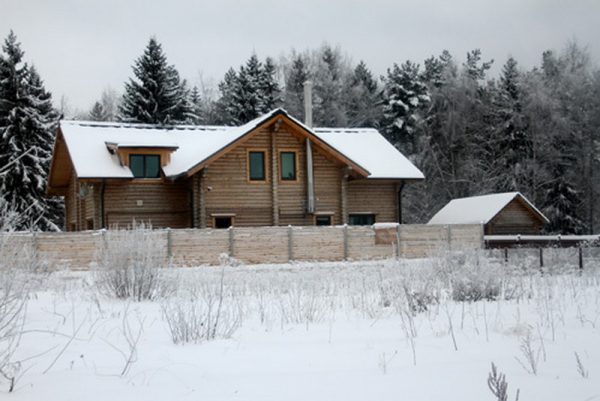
166, 127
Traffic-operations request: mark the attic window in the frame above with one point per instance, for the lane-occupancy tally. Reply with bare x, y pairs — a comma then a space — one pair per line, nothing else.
145, 166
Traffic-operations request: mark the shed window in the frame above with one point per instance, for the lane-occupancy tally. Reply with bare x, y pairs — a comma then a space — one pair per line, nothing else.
145, 166
361, 219
256, 166
288, 166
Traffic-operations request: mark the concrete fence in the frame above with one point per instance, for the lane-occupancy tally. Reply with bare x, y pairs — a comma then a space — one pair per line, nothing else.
253, 245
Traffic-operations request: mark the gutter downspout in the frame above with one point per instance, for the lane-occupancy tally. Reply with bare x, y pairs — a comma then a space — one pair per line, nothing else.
400, 187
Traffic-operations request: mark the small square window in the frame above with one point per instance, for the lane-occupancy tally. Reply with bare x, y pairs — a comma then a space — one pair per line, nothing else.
323, 220
288, 166
223, 222
145, 166
256, 166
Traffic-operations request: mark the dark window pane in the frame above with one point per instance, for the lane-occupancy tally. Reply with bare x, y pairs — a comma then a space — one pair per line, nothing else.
136, 164
152, 166
222, 222
361, 219
288, 165
257, 166
323, 220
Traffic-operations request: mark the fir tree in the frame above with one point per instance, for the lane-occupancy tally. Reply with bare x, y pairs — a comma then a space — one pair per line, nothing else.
154, 96
268, 86
329, 88
509, 143
97, 113
197, 106
27, 124
226, 88
405, 96
296, 76
363, 101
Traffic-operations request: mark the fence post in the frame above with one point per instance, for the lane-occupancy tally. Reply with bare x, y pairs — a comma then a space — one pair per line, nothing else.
580, 258
506, 255
541, 257
169, 244
35, 246
449, 234
231, 242
398, 241
290, 243
345, 241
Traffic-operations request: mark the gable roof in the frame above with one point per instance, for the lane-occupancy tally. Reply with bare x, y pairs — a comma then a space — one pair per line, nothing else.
480, 209
364, 149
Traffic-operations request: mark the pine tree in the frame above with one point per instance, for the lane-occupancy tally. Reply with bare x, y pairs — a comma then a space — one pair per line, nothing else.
197, 106
154, 96
296, 76
268, 86
97, 113
405, 96
511, 145
362, 98
329, 77
27, 124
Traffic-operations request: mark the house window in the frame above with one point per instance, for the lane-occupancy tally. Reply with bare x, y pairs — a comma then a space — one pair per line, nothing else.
256, 166
222, 221
288, 166
145, 166
323, 220
365, 219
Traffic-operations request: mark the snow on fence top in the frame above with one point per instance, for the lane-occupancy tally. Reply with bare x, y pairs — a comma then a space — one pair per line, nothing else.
87, 143
477, 209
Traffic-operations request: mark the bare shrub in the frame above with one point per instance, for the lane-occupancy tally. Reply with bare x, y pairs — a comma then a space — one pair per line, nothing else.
529, 355
207, 311
498, 385
132, 265
472, 278
17, 263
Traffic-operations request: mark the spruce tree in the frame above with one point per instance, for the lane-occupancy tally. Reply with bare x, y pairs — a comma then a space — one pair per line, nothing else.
268, 86
97, 113
362, 98
155, 95
405, 96
224, 112
27, 124
329, 78
296, 76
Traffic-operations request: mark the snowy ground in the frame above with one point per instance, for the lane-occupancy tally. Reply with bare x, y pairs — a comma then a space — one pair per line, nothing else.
344, 331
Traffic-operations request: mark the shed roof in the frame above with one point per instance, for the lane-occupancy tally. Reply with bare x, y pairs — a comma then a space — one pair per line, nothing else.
86, 142
479, 209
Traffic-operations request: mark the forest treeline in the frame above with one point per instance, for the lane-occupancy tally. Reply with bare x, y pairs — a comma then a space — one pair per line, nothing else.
533, 130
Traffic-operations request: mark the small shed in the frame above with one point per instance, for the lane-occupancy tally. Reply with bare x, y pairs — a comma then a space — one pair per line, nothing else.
507, 213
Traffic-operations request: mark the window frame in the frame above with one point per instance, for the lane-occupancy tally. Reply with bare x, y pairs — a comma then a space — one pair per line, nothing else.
295, 153
265, 166
230, 216
144, 156
330, 216
362, 214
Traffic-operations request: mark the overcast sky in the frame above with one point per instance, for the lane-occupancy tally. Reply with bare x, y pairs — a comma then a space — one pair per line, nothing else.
82, 46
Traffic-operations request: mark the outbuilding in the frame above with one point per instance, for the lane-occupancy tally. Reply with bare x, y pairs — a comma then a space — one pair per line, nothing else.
507, 213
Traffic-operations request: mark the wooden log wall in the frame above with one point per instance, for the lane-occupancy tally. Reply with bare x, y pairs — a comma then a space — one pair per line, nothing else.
252, 245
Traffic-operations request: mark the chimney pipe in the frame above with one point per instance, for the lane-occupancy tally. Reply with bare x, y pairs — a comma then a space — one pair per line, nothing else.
308, 120
310, 193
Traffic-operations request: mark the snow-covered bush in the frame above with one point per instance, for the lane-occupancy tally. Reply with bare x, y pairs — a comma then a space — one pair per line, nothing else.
205, 310
132, 265
17, 263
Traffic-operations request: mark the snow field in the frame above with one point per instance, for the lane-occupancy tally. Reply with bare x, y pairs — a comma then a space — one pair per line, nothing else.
414, 330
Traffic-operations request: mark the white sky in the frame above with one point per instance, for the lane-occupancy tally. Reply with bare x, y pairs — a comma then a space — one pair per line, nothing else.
82, 46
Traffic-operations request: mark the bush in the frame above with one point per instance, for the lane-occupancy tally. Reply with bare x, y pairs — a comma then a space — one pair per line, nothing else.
132, 265
17, 262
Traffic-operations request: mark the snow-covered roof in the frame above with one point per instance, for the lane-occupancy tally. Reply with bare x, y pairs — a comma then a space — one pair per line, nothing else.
478, 209
87, 143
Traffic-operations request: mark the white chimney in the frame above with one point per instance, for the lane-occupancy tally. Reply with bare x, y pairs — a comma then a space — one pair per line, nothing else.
308, 120
310, 185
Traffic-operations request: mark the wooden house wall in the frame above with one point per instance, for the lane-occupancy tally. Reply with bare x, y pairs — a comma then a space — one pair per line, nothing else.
378, 197
515, 218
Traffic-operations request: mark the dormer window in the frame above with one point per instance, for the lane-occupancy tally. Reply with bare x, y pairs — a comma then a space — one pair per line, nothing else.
145, 166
